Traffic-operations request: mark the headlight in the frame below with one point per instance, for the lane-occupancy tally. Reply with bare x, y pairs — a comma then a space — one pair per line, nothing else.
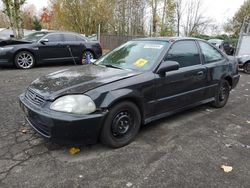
75, 104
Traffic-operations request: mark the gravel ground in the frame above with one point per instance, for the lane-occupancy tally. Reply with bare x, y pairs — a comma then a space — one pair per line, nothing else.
184, 150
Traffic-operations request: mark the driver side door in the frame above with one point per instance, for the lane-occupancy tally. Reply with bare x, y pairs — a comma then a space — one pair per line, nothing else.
183, 87
53, 50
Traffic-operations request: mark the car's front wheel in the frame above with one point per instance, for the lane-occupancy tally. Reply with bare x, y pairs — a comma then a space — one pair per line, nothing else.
247, 68
222, 94
24, 60
121, 125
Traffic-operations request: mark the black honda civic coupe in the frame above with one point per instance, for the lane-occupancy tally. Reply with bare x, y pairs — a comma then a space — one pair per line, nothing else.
48, 47
136, 83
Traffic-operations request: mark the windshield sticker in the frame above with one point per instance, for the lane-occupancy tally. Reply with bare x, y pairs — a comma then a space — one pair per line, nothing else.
153, 46
141, 62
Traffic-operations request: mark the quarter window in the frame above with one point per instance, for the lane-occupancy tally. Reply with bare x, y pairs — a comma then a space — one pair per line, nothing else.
69, 37
209, 53
72, 38
185, 53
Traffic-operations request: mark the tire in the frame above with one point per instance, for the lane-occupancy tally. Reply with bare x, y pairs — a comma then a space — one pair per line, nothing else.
247, 68
222, 94
24, 60
121, 125
84, 55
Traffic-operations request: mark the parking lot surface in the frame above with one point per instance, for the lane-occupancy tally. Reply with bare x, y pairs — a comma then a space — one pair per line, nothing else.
184, 150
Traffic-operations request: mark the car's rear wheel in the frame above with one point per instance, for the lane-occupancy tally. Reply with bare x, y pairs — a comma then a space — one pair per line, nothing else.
121, 125
222, 94
24, 60
247, 68
85, 54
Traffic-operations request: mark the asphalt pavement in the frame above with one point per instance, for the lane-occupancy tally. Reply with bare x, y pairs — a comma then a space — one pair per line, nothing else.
184, 150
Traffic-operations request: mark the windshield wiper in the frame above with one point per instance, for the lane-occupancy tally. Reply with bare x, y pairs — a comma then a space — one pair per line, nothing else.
112, 66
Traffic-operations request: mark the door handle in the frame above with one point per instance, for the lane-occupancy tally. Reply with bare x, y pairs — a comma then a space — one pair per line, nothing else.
201, 73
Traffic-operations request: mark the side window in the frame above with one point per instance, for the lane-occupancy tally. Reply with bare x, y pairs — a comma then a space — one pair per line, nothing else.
209, 53
54, 37
78, 38
185, 53
69, 37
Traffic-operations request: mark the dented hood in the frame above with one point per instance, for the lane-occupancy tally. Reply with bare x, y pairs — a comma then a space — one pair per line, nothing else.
13, 42
77, 80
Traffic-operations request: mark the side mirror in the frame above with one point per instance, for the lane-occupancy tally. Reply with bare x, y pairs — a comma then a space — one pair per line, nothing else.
167, 66
43, 41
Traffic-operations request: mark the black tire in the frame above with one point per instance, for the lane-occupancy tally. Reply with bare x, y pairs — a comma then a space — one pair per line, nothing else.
85, 53
121, 125
222, 94
247, 68
24, 60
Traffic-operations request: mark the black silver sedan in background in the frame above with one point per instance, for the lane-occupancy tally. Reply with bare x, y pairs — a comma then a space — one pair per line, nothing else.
48, 47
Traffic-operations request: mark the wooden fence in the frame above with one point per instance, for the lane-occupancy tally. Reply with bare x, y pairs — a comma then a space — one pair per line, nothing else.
109, 42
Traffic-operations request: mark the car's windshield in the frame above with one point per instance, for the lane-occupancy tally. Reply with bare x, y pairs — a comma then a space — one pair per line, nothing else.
34, 37
136, 55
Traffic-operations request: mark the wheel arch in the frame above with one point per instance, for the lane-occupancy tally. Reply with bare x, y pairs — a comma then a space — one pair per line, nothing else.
90, 50
229, 80
24, 49
118, 96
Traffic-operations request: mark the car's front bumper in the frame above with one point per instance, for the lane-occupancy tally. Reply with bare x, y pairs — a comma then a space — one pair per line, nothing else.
62, 127
5, 59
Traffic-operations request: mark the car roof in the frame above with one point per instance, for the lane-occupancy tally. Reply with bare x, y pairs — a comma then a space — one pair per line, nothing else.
168, 39
60, 32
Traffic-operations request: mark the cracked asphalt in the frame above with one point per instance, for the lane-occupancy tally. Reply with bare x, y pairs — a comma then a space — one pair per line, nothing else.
184, 150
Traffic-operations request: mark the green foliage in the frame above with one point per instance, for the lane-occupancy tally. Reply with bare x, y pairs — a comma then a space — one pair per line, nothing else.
231, 39
81, 16
37, 24
234, 25
168, 19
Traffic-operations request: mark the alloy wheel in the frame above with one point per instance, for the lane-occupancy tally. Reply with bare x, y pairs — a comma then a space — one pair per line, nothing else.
25, 60
85, 54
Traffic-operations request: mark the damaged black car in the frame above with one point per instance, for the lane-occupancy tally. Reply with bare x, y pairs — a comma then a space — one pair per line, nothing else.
139, 82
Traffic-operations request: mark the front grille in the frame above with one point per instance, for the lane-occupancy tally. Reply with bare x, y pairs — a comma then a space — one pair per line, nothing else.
34, 97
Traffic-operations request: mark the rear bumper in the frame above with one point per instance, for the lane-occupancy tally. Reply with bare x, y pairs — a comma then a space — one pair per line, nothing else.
64, 128
235, 80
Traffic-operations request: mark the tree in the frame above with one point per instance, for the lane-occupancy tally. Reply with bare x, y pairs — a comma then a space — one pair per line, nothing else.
3, 20
37, 24
127, 17
81, 16
196, 22
12, 8
28, 13
179, 12
46, 18
234, 25
154, 6
168, 18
